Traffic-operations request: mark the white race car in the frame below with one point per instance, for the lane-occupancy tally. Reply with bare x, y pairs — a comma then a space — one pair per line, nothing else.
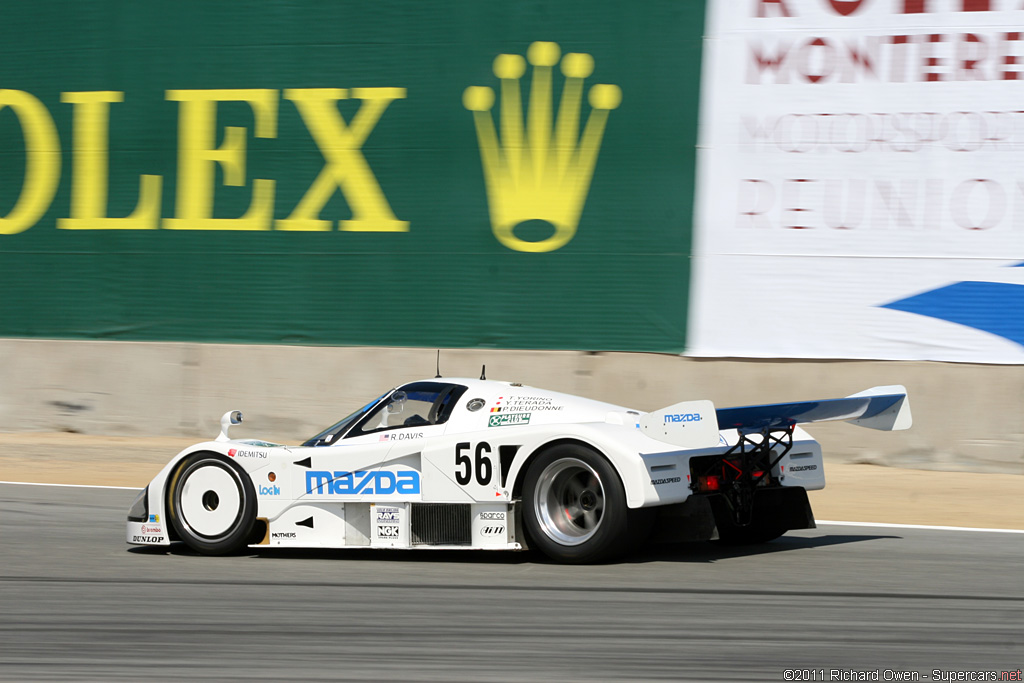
467, 463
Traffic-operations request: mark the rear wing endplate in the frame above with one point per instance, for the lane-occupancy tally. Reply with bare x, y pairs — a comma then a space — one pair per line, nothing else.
690, 424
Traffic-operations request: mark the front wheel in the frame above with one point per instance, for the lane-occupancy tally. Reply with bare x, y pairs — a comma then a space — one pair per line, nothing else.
212, 504
574, 506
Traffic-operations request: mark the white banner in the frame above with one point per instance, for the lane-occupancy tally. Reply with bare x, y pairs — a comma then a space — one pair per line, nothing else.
861, 181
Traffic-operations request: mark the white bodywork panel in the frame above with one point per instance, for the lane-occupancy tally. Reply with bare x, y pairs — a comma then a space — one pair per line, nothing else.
893, 419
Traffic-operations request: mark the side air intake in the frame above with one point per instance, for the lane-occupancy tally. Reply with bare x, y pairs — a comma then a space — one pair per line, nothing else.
441, 524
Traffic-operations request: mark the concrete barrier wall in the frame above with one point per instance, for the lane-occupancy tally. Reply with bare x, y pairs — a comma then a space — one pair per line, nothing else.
966, 417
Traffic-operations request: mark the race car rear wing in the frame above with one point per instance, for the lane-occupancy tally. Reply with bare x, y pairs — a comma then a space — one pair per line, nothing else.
695, 424
884, 408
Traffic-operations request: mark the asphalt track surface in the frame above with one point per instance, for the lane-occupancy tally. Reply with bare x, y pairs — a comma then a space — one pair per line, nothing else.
78, 604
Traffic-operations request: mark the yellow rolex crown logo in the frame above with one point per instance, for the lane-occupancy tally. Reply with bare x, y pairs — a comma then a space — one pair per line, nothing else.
545, 173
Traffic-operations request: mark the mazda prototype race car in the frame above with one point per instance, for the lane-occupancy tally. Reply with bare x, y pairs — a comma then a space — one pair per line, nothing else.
466, 463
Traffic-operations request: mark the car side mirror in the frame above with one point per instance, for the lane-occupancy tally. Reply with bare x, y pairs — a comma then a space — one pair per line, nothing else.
397, 402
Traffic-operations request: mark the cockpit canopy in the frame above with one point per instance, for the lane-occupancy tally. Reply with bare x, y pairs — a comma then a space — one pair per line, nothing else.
419, 404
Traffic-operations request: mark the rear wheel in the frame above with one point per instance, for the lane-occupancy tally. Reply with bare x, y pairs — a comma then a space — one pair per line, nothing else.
212, 504
574, 506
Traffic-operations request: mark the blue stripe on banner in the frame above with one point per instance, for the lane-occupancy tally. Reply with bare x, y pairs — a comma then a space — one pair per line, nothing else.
994, 307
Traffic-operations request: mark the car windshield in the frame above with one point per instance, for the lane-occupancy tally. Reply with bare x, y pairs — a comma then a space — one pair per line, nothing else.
419, 404
329, 435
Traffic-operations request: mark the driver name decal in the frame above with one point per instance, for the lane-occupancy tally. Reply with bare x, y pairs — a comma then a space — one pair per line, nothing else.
515, 404
400, 436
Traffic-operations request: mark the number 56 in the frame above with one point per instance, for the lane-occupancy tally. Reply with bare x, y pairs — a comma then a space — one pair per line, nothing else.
464, 466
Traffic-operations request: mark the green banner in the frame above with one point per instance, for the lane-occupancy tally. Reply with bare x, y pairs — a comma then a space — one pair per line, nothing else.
443, 174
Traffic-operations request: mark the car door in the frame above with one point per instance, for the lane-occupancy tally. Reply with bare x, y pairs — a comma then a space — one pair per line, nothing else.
378, 459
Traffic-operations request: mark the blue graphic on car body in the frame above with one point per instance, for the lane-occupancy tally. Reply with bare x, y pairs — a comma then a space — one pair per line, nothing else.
381, 482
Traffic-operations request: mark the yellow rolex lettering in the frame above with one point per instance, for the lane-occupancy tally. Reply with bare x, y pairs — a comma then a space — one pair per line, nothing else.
89, 169
346, 168
197, 121
42, 161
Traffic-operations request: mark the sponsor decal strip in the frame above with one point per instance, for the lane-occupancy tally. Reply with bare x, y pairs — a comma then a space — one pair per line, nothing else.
508, 419
262, 455
682, 417
147, 539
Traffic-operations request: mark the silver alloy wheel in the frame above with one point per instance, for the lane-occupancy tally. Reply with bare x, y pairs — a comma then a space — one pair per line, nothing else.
569, 501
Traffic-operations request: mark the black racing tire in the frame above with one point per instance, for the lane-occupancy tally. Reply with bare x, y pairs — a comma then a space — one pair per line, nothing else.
211, 503
574, 506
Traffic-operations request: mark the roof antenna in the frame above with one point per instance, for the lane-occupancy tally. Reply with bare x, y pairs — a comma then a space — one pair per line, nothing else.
483, 371
438, 364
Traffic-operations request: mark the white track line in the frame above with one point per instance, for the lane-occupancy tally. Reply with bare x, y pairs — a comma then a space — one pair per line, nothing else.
881, 525
886, 525
77, 486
